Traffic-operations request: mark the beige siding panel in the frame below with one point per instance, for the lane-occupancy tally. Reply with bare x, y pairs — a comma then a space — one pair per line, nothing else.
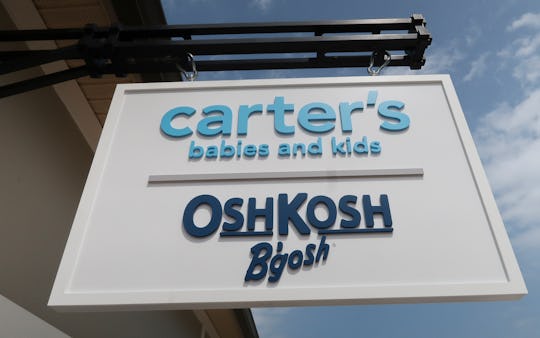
41, 4
102, 118
225, 322
75, 63
98, 91
65, 43
103, 80
100, 106
74, 16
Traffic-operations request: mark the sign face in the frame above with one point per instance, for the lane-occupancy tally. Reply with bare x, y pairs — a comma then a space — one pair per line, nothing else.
286, 192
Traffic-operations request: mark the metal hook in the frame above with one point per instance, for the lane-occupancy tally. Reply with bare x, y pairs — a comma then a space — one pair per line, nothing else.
190, 76
387, 59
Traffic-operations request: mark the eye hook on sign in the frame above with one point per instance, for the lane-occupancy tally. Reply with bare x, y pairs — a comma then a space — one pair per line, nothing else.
387, 58
190, 76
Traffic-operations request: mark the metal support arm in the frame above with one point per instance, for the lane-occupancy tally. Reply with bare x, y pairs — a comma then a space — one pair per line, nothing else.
292, 45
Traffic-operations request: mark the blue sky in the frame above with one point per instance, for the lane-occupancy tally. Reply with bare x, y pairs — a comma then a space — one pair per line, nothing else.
492, 51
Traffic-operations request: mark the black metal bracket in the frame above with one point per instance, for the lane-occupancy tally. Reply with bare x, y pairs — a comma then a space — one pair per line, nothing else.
121, 50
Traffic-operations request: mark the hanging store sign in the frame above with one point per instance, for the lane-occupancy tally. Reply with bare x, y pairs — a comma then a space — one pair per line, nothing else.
286, 192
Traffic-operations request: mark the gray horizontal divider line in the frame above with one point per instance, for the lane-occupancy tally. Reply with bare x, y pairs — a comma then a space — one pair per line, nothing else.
280, 175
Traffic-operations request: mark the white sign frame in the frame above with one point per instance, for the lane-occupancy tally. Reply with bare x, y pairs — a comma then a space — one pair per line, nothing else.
64, 298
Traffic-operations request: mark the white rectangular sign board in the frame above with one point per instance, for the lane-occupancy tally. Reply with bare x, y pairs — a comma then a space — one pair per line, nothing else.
286, 192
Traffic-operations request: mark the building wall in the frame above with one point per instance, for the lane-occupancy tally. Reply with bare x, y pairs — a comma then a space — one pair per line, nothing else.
44, 161
43, 166
16, 322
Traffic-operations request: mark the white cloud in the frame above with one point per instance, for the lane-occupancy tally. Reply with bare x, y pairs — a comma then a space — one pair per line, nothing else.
262, 4
268, 320
478, 67
473, 34
528, 45
522, 47
442, 60
398, 71
531, 20
522, 55
528, 71
528, 240
509, 143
